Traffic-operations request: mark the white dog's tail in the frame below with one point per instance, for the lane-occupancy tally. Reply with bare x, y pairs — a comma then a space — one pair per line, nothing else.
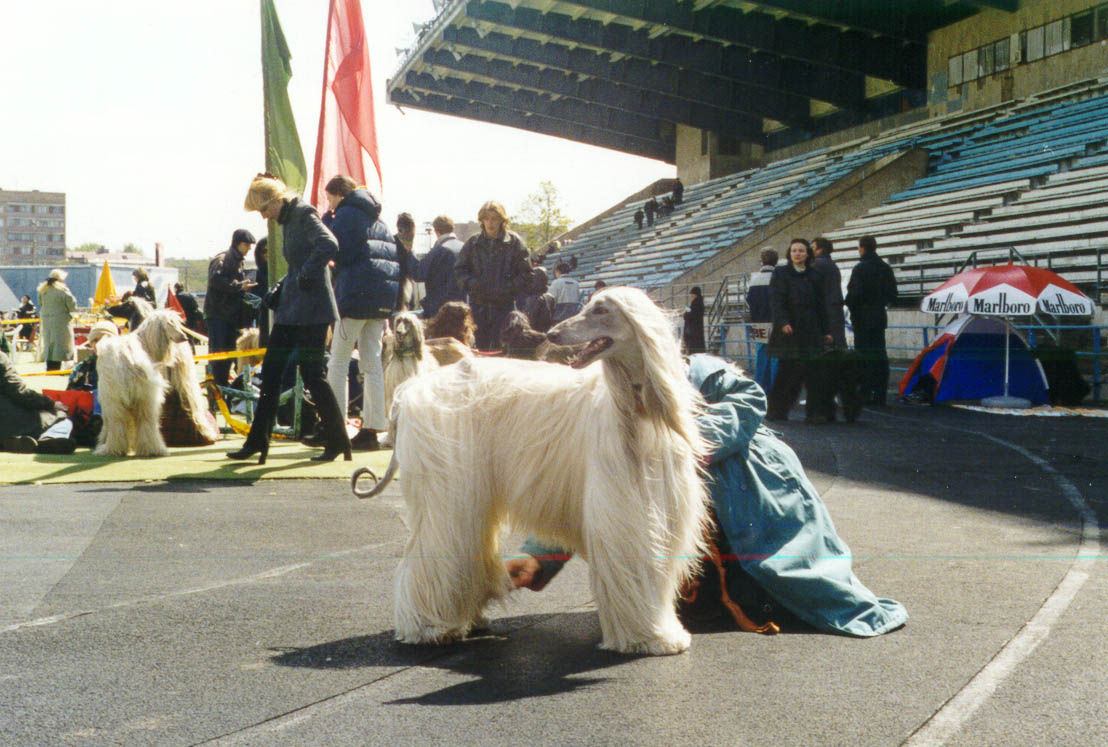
380, 484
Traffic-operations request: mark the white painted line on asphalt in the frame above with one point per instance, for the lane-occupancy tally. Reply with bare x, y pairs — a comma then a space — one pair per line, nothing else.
265, 575
953, 715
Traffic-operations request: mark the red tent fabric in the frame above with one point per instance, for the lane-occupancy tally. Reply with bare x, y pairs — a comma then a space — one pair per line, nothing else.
347, 128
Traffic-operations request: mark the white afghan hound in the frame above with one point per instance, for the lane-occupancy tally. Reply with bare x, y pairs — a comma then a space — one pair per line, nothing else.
403, 353
132, 386
600, 459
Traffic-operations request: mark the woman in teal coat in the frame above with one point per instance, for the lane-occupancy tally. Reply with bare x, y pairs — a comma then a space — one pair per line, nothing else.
769, 512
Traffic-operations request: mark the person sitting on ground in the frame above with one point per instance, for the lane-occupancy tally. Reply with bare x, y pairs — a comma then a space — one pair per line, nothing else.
27, 417
84, 376
775, 533
143, 288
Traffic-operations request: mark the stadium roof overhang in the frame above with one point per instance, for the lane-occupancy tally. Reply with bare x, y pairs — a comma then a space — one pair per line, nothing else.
622, 74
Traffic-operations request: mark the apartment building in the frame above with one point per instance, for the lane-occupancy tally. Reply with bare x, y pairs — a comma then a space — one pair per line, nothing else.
32, 227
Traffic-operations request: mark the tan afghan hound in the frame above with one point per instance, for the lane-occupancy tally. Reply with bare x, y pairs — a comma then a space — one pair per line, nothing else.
600, 459
132, 385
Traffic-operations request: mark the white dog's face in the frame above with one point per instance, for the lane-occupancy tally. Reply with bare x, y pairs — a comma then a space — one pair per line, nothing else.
408, 331
601, 325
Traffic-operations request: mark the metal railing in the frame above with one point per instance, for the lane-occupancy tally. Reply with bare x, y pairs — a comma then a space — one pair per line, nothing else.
739, 344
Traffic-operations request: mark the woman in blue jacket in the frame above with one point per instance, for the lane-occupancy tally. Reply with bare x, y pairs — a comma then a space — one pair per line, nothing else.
300, 321
769, 513
367, 280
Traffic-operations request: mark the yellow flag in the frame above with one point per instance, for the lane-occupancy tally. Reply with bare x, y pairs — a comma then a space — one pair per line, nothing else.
105, 287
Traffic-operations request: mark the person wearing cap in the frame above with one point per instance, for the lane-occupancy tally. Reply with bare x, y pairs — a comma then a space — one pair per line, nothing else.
223, 302
493, 268
57, 306
304, 311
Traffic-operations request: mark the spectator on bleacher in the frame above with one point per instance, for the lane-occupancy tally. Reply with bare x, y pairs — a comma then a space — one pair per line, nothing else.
693, 329
650, 207
761, 319
667, 206
405, 239
872, 287
836, 368
678, 191
492, 268
143, 288
223, 303
566, 292
799, 332
57, 305
436, 269
639, 217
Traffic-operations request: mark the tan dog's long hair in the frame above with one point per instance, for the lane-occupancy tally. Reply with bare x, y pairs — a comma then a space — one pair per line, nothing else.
453, 319
132, 385
402, 353
600, 459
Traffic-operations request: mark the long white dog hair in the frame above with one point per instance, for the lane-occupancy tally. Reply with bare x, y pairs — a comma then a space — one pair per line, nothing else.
600, 459
132, 387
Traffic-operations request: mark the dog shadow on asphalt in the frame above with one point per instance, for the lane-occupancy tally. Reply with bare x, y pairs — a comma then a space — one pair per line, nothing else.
515, 659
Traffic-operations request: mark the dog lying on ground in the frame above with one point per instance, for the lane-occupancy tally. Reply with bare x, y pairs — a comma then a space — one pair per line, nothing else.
611, 474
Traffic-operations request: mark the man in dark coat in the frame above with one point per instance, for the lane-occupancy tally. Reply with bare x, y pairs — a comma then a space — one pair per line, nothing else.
836, 368
761, 318
436, 269
650, 207
678, 192
492, 268
639, 216
693, 331
871, 289
223, 303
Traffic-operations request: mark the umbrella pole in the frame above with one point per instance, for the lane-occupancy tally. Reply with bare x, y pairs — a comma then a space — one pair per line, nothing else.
1005, 400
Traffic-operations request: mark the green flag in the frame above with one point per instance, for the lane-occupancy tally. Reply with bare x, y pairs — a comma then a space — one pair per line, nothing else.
283, 155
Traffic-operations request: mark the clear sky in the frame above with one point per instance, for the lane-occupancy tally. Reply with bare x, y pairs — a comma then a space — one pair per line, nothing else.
148, 115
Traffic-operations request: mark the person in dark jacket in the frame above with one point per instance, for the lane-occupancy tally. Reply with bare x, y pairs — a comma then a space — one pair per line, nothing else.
761, 318
799, 332
190, 306
405, 241
367, 280
872, 287
693, 332
836, 370
223, 303
678, 192
143, 288
436, 269
300, 321
650, 207
638, 217
492, 268
26, 310
261, 280
26, 414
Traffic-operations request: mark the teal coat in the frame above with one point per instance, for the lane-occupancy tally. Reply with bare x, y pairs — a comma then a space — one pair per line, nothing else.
773, 517
771, 514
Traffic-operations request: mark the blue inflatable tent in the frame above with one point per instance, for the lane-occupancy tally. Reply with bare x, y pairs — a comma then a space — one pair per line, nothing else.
966, 362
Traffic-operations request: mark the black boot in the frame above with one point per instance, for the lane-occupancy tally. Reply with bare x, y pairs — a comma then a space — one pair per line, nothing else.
247, 451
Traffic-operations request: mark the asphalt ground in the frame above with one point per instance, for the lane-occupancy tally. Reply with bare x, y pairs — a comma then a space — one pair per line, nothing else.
176, 613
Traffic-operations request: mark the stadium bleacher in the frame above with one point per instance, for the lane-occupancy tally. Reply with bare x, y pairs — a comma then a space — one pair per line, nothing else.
1027, 175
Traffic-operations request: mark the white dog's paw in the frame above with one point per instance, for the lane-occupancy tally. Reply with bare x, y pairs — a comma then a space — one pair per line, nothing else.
430, 635
105, 451
675, 642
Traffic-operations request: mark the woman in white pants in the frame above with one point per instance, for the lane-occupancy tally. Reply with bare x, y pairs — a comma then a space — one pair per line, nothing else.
367, 281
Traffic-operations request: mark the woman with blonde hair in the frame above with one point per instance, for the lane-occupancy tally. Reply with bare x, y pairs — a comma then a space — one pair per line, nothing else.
492, 268
57, 306
300, 320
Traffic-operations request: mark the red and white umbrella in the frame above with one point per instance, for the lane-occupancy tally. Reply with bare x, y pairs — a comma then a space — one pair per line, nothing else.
1008, 290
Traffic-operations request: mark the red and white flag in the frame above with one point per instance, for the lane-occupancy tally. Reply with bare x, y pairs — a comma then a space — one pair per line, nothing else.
347, 129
